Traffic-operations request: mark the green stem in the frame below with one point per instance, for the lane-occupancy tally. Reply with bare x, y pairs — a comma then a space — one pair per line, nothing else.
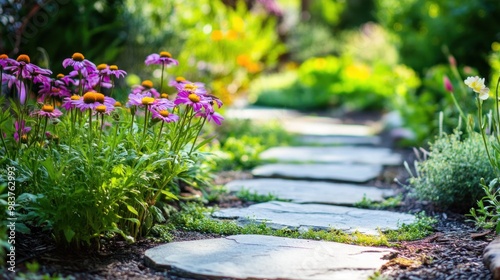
145, 123
161, 81
483, 134
157, 140
497, 111
3, 142
197, 134
462, 115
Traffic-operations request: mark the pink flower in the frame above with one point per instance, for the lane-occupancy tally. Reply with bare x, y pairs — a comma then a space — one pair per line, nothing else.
192, 99
48, 111
146, 87
164, 115
164, 58
23, 68
5, 61
80, 64
91, 100
211, 117
20, 127
447, 84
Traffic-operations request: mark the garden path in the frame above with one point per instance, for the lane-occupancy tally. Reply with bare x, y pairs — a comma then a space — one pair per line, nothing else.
318, 185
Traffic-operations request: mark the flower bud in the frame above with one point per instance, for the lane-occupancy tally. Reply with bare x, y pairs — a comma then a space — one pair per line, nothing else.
447, 84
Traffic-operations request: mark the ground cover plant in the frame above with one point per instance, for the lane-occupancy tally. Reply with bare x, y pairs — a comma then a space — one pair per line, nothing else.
86, 166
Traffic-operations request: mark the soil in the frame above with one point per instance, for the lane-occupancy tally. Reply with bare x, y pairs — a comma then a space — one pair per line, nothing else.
453, 251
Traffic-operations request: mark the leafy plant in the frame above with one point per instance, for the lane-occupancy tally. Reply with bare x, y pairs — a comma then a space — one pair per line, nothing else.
99, 168
242, 141
450, 172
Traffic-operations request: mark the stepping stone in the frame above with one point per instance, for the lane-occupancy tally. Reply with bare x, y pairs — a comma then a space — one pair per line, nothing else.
344, 154
266, 257
277, 215
354, 173
311, 192
339, 140
325, 126
260, 113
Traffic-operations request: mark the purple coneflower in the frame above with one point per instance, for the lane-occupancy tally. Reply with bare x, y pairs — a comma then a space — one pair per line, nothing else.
164, 115
192, 99
80, 64
48, 111
91, 100
146, 87
211, 117
22, 128
164, 58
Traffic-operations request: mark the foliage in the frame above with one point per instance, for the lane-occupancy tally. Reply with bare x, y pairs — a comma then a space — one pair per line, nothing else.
424, 27
331, 81
423, 227
247, 195
98, 168
97, 26
390, 202
222, 46
450, 174
486, 214
242, 141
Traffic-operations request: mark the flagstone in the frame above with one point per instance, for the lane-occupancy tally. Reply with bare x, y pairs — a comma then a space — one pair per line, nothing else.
342, 154
355, 173
278, 214
338, 140
310, 125
267, 257
299, 191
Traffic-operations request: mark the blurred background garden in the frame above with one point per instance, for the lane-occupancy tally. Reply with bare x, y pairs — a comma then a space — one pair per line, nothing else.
334, 55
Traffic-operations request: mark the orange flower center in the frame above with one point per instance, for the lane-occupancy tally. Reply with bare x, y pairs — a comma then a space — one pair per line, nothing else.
147, 84
180, 79
101, 108
164, 95
118, 104
24, 138
164, 113
3, 56
165, 54
89, 97
48, 108
60, 76
113, 67
147, 100
99, 97
75, 97
77, 57
23, 58
190, 87
102, 66
54, 89
194, 98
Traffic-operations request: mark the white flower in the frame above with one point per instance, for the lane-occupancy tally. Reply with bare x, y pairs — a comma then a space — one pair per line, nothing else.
477, 85
484, 94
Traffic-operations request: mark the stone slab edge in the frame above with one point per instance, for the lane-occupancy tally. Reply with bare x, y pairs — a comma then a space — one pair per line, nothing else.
491, 257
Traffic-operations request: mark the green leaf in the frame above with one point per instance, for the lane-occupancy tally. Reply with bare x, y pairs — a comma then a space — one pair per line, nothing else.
132, 209
133, 220
69, 234
169, 195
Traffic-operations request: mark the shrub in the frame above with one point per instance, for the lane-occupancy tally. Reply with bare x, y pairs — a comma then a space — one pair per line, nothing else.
450, 175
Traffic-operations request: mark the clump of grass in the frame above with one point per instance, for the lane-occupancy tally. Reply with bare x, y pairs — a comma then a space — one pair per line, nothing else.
390, 202
194, 217
253, 196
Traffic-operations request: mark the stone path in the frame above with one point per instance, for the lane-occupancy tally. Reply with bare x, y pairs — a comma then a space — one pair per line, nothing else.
321, 183
301, 191
266, 257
